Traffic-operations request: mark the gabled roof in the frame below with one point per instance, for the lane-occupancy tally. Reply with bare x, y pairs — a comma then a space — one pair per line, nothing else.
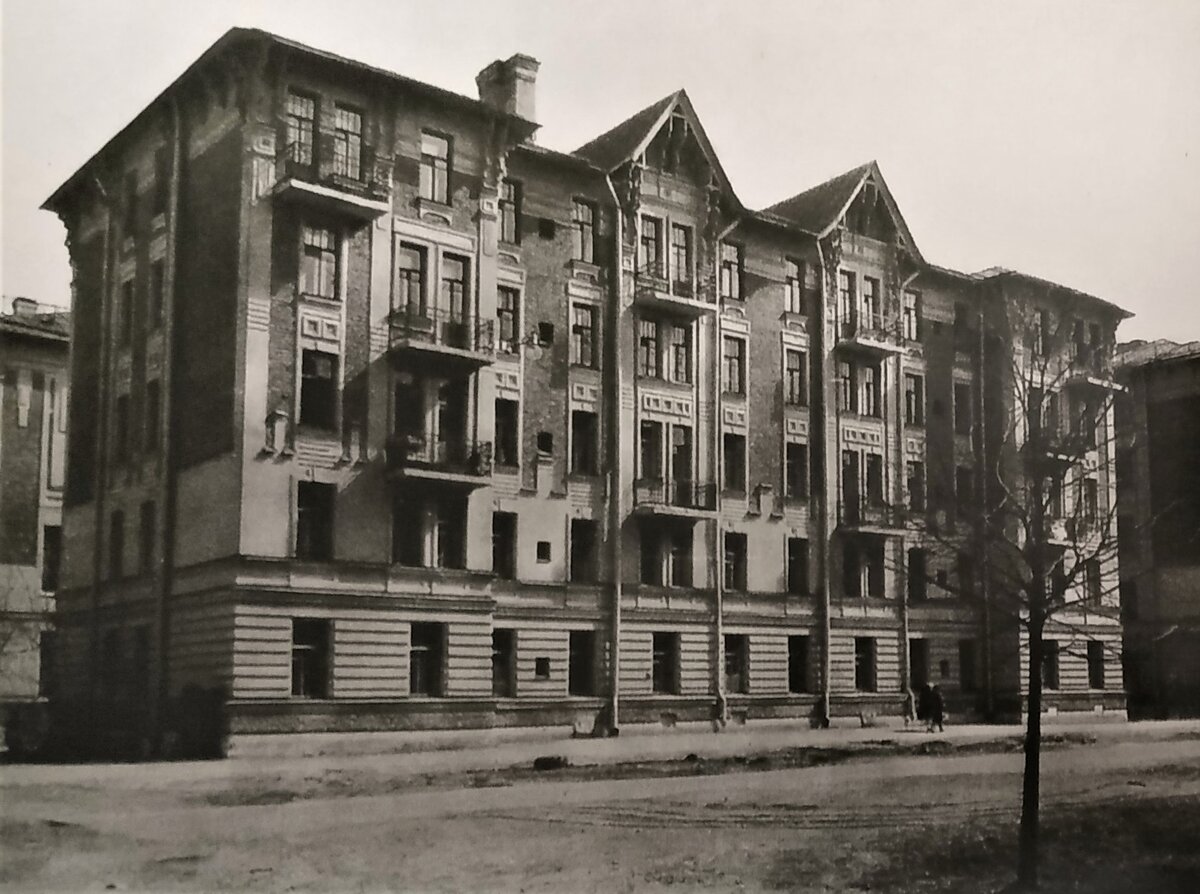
819, 209
629, 139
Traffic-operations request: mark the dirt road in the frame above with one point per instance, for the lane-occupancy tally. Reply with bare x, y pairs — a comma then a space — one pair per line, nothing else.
876, 823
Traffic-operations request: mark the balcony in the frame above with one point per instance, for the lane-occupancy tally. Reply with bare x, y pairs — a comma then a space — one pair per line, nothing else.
447, 340
873, 333
1091, 367
459, 464
656, 291
868, 517
320, 178
675, 499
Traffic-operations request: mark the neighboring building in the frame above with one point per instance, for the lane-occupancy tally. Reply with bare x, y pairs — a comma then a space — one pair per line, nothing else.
1158, 465
33, 422
389, 417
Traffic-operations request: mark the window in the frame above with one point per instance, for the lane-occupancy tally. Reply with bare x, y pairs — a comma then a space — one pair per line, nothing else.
870, 304
650, 569
797, 566
510, 212
918, 574
583, 335
962, 408
583, 551
681, 260
737, 663
965, 570
435, 168
734, 466
584, 431
129, 220
679, 565
912, 316
301, 128
545, 444
962, 327
310, 657
51, 556
162, 181
1089, 510
47, 664
504, 663
408, 535
845, 387
545, 334
650, 247
846, 298
426, 659
915, 484
918, 662
508, 426
314, 521
735, 561
454, 286
318, 263
851, 485
1050, 664
543, 552
797, 663
735, 366
508, 302
157, 293
868, 390
731, 272
318, 389
1042, 334
584, 232
665, 663
1095, 664
914, 399
679, 341
581, 662
795, 471
147, 529
964, 490
875, 479
504, 545
1092, 585
793, 287
450, 533
410, 280
347, 142
795, 392
864, 664
651, 450
121, 431
967, 679
116, 546
153, 412
125, 321
648, 348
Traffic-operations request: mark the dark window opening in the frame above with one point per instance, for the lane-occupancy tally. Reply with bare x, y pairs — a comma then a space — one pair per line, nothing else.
426, 659
665, 664
734, 465
504, 544
583, 550
1095, 664
311, 644
545, 443
508, 426
147, 535
584, 434
737, 663
51, 557
918, 663
314, 521
450, 528
581, 665
541, 668
543, 551
504, 663
1050, 664
545, 334
735, 561
918, 574
796, 471
797, 566
797, 664
318, 389
864, 664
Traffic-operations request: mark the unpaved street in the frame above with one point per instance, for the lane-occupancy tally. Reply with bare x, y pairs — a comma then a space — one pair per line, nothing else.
863, 823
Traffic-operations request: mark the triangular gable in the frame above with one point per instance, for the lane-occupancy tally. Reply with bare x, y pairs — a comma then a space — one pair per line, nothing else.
630, 139
820, 209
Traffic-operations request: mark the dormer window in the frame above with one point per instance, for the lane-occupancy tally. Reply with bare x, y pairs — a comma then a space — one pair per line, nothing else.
435, 167
731, 272
650, 247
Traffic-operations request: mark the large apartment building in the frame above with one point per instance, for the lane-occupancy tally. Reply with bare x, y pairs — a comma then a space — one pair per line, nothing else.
386, 416
33, 441
1158, 462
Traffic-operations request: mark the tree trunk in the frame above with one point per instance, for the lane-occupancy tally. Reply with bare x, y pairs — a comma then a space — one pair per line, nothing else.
1027, 850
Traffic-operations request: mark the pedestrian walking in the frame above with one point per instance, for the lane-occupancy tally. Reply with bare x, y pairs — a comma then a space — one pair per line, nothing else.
938, 712
925, 707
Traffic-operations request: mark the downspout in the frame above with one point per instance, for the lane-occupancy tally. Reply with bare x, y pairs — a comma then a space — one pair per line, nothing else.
101, 467
823, 558
615, 513
901, 465
980, 531
721, 708
167, 446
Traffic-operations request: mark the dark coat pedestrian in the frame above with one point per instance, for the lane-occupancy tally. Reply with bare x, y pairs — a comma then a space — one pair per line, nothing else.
925, 704
937, 709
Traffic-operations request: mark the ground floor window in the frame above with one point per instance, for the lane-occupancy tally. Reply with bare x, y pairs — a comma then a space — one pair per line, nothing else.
1095, 661
426, 659
1050, 664
665, 669
737, 663
918, 663
581, 670
966, 666
504, 652
797, 664
310, 657
864, 664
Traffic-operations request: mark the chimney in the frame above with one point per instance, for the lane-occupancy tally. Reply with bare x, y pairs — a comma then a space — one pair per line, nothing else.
509, 86
24, 307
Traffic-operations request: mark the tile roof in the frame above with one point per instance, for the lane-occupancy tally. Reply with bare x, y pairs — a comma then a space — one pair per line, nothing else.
614, 147
816, 208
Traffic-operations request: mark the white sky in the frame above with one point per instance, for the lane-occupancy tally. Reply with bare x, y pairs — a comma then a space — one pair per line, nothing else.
1059, 138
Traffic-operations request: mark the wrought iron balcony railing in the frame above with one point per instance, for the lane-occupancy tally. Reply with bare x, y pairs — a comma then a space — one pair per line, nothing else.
459, 456
655, 277
680, 494
438, 327
875, 325
323, 162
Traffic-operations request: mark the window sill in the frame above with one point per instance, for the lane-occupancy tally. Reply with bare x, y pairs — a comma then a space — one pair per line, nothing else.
581, 269
433, 206
795, 406
791, 318
320, 299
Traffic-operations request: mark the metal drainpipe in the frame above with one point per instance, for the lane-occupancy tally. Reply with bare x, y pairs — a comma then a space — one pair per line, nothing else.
901, 461
615, 515
823, 557
101, 478
169, 493
722, 705
985, 565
